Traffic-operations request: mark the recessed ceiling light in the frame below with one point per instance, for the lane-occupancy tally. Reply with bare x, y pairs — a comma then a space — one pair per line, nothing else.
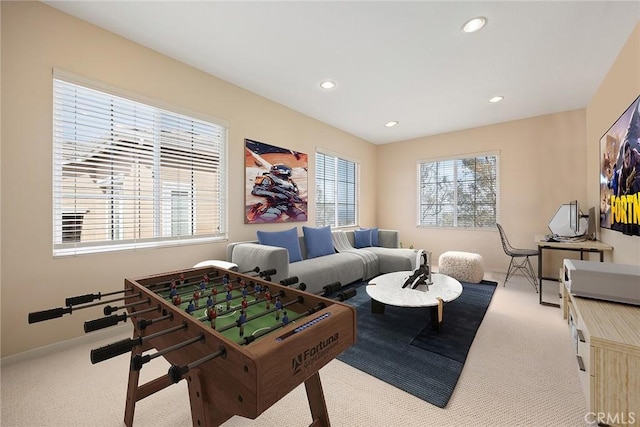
496, 99
391, 124
327, 84
473, 25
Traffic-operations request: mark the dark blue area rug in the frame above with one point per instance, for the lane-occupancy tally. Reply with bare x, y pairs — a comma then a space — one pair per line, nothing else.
401, 348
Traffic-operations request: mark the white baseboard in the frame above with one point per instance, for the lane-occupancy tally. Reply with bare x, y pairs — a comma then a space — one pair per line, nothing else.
65, 345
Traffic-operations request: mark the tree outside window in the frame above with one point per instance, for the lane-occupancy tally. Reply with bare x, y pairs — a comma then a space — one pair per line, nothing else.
459, 192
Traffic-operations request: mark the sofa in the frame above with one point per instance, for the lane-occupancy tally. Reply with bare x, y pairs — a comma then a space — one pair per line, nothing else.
321, 256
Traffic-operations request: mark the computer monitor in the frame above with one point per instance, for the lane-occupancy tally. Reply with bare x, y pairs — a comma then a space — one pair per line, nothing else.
568, 221
591, 224
574, 217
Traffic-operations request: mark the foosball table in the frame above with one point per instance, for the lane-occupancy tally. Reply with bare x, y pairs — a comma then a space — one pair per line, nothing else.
240, 341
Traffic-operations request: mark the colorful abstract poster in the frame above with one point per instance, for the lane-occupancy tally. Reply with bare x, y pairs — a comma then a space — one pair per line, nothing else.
276, 181
620, 173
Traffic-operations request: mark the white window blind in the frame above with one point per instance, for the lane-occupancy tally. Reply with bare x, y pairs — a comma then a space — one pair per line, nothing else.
130, 175
336, 191
459, 192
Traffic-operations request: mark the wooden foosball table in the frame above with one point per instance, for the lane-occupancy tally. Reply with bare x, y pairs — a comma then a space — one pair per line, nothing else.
240, 341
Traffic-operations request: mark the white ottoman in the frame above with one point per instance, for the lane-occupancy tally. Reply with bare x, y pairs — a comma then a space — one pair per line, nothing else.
462, 266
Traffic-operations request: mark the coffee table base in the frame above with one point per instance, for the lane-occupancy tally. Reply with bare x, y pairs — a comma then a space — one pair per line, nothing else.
437, 315
377, 307
436, 312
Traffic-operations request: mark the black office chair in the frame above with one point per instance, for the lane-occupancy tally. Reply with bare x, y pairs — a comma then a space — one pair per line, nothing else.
519, 260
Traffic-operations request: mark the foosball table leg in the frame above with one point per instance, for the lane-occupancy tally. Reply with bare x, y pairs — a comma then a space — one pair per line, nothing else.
132, 390
203, 410
317, 403
136, 392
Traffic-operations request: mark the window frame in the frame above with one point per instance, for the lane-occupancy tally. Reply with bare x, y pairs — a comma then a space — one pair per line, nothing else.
219, 199
454, 203
356, 176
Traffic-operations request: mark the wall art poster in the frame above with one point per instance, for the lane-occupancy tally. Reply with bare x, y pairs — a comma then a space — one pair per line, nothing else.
276, 182
620, 173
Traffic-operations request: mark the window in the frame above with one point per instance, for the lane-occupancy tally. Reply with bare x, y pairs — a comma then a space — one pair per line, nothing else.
130, 175
336, 191
459, 192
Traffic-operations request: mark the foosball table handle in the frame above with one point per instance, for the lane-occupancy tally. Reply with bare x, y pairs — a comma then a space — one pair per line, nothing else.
112, 350
82, 299
349, 293
177, 372
289, 281
267, 273
41, 316
104, 322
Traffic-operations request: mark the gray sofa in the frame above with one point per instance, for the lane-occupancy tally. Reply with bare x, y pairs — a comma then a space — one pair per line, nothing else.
346, 265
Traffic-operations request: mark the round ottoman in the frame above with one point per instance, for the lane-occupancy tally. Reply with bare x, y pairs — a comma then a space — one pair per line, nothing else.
462, 266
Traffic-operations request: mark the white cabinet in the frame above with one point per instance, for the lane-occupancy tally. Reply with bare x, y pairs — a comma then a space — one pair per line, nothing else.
606, 338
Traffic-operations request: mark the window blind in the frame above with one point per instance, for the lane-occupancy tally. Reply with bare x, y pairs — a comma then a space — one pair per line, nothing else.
459, 192
336, 191
130, 175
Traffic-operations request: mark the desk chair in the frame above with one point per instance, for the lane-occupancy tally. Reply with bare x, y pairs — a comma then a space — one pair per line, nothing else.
519, 260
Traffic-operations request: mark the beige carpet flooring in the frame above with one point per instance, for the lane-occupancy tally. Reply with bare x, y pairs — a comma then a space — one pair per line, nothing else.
521, 371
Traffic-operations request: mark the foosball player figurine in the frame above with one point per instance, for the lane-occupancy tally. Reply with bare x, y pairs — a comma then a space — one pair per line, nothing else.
229, 298
210, 302
267, 297
245, 304
177, 300
256, 290
285, 318
212, 314
173, 284
173, 292
241, 321
244, 291
203, 285
278, 308
182, 279
214, 293
196, 297
226, 282
191, 307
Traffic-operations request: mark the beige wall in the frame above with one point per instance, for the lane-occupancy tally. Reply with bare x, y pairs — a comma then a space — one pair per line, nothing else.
618, 90
37, 38
541, 165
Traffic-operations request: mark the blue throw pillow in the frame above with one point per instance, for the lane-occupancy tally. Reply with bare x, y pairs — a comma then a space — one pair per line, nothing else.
374, 237
318, 241
287, 239
362, 238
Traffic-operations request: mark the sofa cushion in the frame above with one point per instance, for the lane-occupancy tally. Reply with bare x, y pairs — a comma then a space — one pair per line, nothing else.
362, 238
394, 259
318, 241
374, 237
287, 239
322, 271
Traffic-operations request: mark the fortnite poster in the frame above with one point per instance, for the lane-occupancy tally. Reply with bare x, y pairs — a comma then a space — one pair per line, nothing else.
620, 173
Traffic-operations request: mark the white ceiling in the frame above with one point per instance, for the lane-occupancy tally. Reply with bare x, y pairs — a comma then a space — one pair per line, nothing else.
394, 60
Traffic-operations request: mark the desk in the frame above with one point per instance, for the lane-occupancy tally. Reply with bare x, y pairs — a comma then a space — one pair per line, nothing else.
588, 246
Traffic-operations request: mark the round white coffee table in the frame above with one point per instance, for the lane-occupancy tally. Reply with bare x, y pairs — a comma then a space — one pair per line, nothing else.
387, 289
